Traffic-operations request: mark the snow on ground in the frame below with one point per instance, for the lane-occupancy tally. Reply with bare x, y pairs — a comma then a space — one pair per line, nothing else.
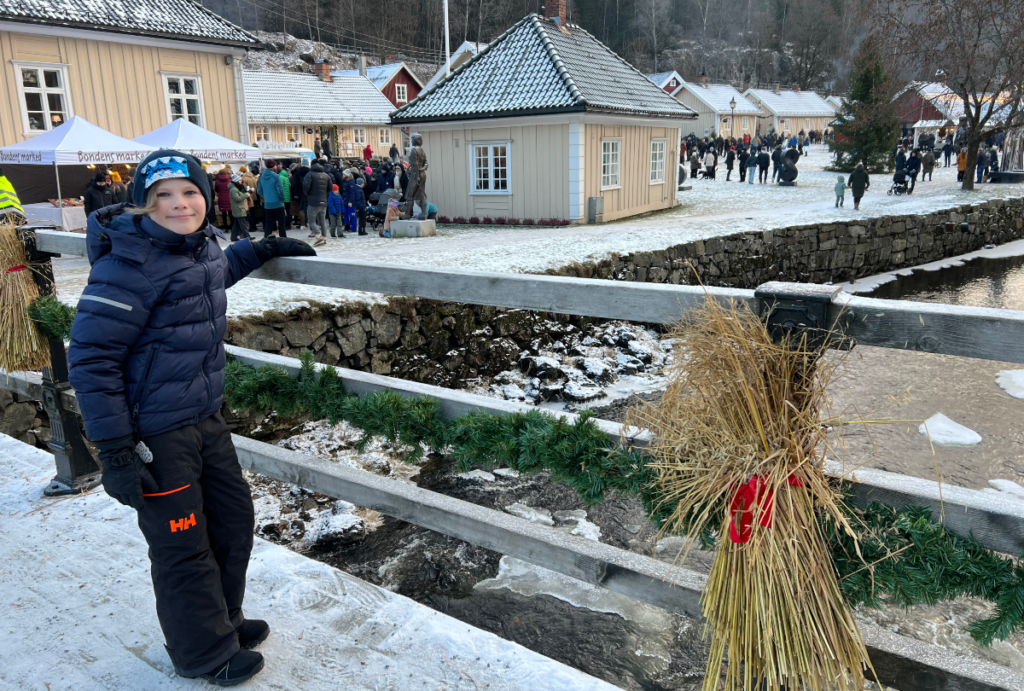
79, 612
1012, 382
711, 208
944, 431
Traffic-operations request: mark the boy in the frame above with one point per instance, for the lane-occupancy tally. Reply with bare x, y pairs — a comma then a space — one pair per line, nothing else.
840, 190
358, 205
147, 363
335, 208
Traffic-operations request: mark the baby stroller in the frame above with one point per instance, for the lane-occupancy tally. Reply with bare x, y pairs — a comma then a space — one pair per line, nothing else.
899, 183
377, 207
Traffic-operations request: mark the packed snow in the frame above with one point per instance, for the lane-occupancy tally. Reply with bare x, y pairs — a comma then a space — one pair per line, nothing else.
1012, 382
945, 432
79, 613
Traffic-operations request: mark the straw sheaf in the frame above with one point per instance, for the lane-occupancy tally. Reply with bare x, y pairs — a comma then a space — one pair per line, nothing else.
22, 347
740, 407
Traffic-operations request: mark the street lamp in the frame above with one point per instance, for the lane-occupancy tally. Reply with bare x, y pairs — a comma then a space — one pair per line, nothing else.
732, 122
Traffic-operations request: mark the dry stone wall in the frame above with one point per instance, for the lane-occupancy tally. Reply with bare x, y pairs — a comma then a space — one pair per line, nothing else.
822, 252
433, 342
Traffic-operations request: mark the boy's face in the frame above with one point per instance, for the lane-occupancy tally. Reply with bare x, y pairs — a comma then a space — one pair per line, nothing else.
180, 207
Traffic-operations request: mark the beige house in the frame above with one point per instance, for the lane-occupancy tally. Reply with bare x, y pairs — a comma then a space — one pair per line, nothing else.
720, 108
547, 123
289, 108
790, 111
128, 68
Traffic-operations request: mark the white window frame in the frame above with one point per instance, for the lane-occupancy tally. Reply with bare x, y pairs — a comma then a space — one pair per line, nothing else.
471, 148
261, 133
807, 125
164, 77
384, 136
23, 107
783, 125
293, 133
359, 135
673, 83
617, 182
663, 143
745, 123
402, 93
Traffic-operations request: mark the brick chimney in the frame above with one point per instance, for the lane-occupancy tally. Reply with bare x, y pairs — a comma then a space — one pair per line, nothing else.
322, 68
746, 85
555, 10
776, 87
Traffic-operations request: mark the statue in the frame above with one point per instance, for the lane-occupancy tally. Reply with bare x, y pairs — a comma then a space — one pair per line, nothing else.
789, 171
416, 192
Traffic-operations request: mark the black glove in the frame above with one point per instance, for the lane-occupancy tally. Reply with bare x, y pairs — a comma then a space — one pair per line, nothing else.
273, 246
125, 475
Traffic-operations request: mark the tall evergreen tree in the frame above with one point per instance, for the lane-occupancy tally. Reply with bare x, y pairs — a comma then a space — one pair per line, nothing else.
867, 127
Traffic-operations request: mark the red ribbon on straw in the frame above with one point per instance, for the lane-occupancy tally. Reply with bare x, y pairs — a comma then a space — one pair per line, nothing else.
19, 267
754, 495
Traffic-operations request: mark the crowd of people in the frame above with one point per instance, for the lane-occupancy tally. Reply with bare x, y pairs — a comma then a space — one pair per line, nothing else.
753, 155
326, 198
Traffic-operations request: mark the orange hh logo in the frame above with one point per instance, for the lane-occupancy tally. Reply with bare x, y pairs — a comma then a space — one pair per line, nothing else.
183, 523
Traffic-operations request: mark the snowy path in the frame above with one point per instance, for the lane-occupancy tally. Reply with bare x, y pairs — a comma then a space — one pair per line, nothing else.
79, 613
710, 209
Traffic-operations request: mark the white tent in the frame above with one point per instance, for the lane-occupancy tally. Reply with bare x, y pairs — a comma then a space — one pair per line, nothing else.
182, 135
76, 142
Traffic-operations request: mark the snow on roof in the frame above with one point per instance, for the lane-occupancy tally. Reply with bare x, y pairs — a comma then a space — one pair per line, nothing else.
789, 102
467, 47
663, 78
175, 19
380, 75
717, 97
837, 102
940, 96
535, 66
305, 98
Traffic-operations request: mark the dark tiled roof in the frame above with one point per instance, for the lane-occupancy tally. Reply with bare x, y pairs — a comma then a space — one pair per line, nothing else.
176, 19
535, 67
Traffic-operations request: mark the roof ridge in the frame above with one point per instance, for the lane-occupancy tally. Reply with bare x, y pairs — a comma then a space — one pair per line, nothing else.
556, 59
445, 79
620, 58
217, 16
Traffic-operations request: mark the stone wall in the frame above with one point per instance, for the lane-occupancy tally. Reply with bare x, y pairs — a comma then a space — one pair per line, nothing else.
822, 252
427, 341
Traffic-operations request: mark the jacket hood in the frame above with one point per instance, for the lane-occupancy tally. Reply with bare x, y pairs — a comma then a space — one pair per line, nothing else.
113, 231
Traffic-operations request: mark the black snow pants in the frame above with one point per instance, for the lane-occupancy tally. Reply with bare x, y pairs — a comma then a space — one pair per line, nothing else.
199, 526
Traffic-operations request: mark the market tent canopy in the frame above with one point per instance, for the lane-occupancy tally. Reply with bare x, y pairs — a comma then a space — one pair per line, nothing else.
205, 145
76, 142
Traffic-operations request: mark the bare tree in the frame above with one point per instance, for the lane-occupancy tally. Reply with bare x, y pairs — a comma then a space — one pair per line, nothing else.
978, 45
814, 34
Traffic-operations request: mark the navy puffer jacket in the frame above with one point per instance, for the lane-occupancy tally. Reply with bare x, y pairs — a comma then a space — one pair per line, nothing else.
146, 353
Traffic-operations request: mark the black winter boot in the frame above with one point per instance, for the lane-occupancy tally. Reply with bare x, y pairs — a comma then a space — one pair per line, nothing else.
244, 665
252, 632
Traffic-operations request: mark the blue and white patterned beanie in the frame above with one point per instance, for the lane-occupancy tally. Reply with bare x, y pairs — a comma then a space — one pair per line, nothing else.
166, 164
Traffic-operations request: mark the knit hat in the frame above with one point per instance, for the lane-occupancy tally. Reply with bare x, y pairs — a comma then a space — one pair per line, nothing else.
115, 176
167, 164
270, 164
243, 169
237, 177
335, 187
100, 177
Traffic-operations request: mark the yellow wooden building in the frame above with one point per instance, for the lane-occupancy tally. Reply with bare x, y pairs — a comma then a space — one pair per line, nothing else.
126, 67
548, 123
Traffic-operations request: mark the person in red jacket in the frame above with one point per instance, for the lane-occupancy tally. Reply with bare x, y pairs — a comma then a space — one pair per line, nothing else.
222, 186
367, 153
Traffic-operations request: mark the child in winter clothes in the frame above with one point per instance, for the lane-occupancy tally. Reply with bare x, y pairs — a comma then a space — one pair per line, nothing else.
239, 208
359, 204
335, 208
840, 191
149, 379
348, 196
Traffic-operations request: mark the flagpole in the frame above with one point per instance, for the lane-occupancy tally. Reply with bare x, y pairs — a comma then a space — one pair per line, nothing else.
447, 53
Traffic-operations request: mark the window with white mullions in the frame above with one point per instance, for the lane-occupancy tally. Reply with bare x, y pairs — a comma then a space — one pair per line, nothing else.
490, 168
611, 163
384, 135
658, 148
401, 93
184, 98
262, 133
42, 91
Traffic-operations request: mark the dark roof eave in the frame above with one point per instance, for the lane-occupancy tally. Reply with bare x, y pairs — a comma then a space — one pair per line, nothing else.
183, 38
540, 111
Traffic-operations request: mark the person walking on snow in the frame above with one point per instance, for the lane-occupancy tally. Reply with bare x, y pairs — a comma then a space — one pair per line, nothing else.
859, 182
149, 379
840, 191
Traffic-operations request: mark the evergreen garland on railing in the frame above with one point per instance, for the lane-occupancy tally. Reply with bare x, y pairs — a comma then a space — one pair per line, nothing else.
904, 555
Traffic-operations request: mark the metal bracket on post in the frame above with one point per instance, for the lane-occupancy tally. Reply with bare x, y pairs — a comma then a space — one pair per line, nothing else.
792, 308
77, 470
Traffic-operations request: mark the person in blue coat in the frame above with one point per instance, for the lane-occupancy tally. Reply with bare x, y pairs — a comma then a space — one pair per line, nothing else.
146, 359
271, 190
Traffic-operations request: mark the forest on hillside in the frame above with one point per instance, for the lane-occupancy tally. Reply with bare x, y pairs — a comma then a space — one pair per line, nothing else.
805, 42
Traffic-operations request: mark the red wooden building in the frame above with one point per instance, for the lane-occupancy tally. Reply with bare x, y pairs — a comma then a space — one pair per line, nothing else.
396, 81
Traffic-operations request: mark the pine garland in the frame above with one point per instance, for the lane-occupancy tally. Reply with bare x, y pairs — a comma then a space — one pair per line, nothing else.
904, 556
52, 317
